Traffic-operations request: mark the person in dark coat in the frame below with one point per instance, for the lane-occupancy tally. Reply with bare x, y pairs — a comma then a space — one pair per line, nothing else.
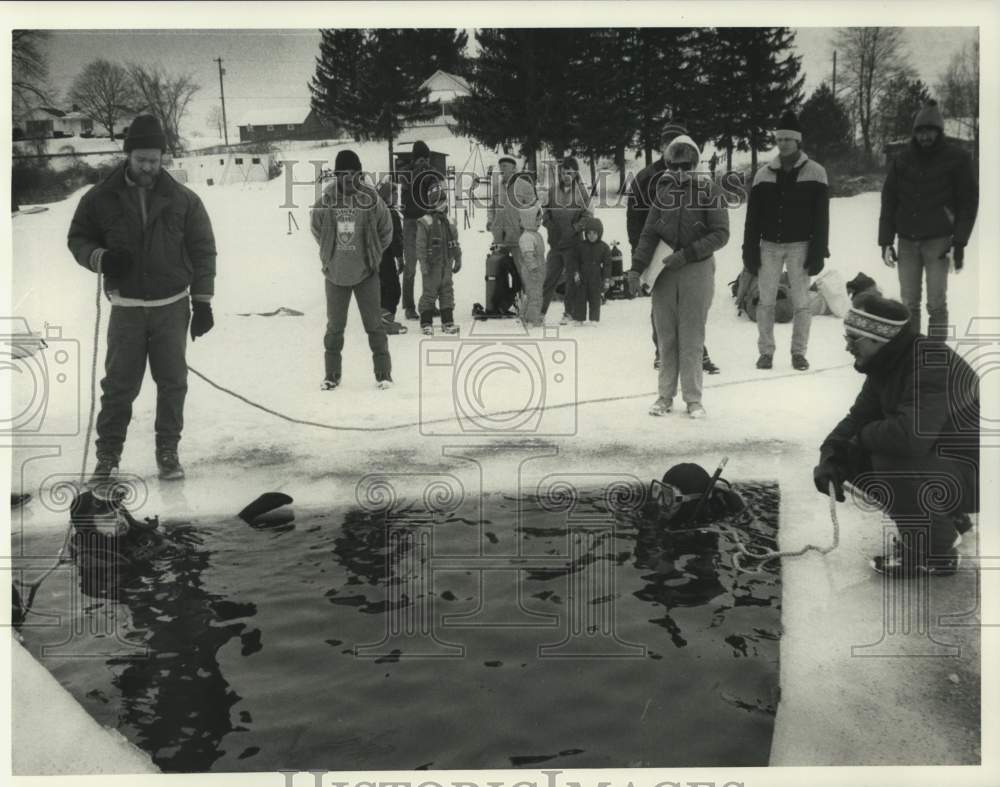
567, 204
392, 265
152, 239
930, 199
589, 268
911, 438
416, 185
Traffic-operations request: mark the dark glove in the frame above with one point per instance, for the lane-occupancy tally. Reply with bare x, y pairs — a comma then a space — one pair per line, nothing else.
825, 472
632, 282
889, 256
751, 259
456, 265
201, 318
116, 263
675, 261
814, 262
958, 254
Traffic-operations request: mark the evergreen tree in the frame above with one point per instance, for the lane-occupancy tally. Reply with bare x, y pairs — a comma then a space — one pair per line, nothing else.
898, 106
826, 126
367, 80
754, 78
518, 93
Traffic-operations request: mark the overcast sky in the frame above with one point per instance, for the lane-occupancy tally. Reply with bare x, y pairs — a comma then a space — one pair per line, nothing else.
272, 68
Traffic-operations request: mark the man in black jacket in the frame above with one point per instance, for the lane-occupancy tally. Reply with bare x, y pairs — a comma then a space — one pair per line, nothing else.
930, 199
416, 185
787, 225
911, 439
152, 239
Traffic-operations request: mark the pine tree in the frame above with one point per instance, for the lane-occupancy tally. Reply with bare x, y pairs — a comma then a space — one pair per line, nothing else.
756, 77
368, 80
510, 95
899, 104
826, 126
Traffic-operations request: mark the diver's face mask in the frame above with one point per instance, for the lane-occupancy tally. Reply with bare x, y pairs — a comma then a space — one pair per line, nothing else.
669, 499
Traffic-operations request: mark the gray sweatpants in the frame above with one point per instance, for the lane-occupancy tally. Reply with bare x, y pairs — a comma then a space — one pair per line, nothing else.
680, 301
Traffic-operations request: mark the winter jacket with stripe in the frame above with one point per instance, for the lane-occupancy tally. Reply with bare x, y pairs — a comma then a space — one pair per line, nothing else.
173, 251
789, 207
929, 194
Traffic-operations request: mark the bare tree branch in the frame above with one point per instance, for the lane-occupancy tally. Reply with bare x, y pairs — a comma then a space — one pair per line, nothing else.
166, 96
105, 92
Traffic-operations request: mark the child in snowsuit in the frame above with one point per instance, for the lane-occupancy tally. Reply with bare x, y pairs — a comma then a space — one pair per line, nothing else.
532, 268
589, 269
439, 255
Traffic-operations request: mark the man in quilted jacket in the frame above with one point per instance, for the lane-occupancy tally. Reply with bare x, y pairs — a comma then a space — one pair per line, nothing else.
929, 199
152, 240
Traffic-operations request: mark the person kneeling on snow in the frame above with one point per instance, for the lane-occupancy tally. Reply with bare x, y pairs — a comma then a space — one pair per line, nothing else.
912, 437
353, 227
589, 270
439, 256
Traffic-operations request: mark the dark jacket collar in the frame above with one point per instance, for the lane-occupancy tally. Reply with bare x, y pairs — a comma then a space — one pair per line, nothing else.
775, 163
164, 185
886, 362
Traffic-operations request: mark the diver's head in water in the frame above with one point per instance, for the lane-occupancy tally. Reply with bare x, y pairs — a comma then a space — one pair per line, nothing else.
680, 496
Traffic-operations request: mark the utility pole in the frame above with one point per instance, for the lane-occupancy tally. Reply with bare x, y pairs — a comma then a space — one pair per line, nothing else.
222, 95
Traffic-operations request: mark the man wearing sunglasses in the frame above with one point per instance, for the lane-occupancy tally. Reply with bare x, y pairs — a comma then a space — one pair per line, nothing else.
787, 224
911, 439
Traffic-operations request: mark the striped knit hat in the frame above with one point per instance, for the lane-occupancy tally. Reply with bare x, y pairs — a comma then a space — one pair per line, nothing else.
877, 318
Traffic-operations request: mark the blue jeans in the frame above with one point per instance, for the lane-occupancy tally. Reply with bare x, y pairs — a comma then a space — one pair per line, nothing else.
773, 258
917, 258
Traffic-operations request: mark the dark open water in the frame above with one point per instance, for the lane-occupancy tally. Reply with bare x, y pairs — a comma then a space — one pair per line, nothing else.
341, 643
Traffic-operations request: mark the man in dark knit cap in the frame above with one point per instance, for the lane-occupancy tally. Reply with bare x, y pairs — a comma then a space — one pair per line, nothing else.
353, 227
911, 439
152, 240
929, 199
416, 187
787, 226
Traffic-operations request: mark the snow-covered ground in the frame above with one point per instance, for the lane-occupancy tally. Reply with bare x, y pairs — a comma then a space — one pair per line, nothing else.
836, 709
278, 361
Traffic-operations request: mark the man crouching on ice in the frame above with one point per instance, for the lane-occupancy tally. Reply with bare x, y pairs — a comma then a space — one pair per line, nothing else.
911, 439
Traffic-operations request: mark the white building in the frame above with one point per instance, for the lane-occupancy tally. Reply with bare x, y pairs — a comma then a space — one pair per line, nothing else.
222, 168
47, 122
443, 89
